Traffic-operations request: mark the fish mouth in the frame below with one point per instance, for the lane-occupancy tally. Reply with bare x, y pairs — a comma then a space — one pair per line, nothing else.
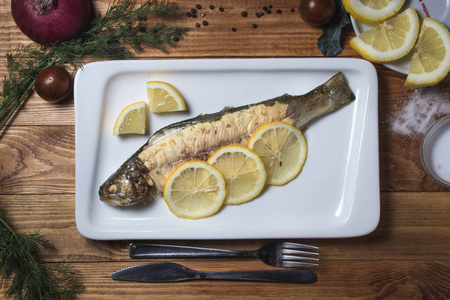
127, 186
124, 193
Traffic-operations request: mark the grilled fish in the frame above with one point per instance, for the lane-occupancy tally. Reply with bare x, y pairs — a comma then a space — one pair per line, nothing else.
197, 138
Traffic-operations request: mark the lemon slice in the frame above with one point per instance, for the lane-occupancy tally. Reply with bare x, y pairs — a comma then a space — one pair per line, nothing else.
163, 97
243, 171
390, 40
430, 62
373, 11
195, 190
282, 148
131, 119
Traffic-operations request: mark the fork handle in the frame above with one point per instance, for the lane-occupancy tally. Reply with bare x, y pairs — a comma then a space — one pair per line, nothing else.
144, 250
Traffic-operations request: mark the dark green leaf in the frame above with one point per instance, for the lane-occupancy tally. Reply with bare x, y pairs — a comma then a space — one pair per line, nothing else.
329, 42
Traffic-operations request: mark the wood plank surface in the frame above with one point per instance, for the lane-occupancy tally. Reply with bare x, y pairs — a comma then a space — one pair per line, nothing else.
406, 257
410, 244
411, 225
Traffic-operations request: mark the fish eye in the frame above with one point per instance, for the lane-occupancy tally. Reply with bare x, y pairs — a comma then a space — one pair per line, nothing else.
112, 189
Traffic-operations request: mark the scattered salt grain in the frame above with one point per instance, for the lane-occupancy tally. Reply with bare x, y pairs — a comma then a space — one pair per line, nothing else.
424, 107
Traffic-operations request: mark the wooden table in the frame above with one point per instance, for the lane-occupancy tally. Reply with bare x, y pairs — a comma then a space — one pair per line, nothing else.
406, 257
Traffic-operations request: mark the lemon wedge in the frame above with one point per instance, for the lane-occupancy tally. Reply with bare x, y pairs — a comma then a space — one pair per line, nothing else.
243, 171
430, 62
131, 119
195, 190
390, 40
282, 148
163, 97
373, 12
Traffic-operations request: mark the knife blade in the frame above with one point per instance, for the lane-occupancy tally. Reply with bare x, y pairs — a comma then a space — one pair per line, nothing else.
172, 272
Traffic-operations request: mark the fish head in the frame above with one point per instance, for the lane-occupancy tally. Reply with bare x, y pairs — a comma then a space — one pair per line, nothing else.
126, 187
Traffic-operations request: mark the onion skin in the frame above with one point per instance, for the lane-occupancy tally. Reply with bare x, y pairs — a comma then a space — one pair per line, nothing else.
61, 21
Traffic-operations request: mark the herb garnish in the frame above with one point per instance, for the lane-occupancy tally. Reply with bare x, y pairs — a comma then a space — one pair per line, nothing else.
329, 42
108, 36
27, 277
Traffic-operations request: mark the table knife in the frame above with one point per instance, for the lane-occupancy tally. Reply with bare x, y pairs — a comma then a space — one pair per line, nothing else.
172, 272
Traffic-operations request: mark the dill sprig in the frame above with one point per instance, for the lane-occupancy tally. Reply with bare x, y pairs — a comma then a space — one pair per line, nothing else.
118, 34
27, 277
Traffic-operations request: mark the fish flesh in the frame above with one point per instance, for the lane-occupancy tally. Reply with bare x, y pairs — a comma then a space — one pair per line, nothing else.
197, 138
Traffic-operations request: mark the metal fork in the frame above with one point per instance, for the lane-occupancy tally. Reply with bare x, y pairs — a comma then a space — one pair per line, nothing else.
279, 254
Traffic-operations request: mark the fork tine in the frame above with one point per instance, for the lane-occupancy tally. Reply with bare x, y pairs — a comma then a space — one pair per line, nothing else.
298, 246
297, 258
298, 252
292, 256
293, 264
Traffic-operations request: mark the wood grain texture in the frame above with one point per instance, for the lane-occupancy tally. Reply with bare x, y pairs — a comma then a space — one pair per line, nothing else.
412, 225
406, 257
336, 280
37, 160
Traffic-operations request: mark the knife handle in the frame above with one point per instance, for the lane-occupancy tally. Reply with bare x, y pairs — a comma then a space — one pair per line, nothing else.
144, 250
283, 276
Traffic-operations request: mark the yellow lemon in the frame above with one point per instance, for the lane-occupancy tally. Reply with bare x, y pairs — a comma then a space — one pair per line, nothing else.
131, 119
390, 40
163, 97
373, 11
195, 190
430, 62
282, 148
243, 171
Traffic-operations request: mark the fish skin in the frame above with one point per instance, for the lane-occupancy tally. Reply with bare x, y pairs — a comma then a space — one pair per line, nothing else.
197, 138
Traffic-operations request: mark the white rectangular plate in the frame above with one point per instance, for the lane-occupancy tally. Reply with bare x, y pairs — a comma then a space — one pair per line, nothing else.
335, 195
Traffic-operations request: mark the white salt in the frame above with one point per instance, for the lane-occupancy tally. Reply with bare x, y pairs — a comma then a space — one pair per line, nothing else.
439, 147
421, 111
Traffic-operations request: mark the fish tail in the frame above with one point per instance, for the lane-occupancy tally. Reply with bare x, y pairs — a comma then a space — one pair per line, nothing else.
337, 89
324, 99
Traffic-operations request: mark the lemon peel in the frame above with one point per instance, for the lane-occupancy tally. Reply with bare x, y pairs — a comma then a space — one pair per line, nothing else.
131, 119
373, 12
430, 62
243, 171
194, 190
282, 148
389, 41
164, 97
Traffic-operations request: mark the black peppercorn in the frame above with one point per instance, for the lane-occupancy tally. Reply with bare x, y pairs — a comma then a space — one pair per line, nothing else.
197, 24
211, 7
270, 6
193, 11
292, 9
265, 8
254, 25
278, 11
176, 39
233, 29
205, 23
244, 14
198, 6
268, 11
258, 15
221, 9
188, 14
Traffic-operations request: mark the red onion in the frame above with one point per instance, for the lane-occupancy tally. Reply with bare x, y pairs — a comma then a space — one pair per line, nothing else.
49, 21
